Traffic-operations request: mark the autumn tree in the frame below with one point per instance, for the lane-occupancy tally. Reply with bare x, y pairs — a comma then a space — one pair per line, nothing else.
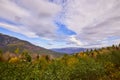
17, 51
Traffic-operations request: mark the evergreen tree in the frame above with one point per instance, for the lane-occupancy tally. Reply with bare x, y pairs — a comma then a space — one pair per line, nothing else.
119, 45
87, 51
91, 50
27, 56
113, 46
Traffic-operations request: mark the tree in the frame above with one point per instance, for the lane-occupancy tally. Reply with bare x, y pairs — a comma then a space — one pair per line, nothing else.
47, 57
38, 56
0, 54
87, 51
14, 60
26, 56
91, 50
17, 51
113, 46
119, 45
1, 51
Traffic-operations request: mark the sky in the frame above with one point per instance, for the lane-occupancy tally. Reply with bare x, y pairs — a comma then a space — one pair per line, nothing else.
62, 23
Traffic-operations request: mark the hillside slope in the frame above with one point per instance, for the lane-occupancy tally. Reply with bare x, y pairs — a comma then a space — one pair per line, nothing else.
8, 43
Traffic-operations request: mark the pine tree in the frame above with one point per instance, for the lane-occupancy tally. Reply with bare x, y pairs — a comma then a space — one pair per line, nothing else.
87, 51
119, 45
113, 46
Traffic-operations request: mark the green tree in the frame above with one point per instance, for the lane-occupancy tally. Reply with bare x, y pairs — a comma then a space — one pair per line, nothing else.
1, 51
26, 56
47, 57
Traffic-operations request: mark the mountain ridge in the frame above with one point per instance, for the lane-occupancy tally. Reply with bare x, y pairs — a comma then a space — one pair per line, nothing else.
9, 43
69, 50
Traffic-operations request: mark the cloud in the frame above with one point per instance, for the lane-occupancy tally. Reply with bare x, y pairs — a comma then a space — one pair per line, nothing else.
10, 11
74, 40
36, 17
19, 29
94, 21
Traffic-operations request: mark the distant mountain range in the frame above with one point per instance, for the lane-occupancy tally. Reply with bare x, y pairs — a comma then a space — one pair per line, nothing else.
69, 50
8, 43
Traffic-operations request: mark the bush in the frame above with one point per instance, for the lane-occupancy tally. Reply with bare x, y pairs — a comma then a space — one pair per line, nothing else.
56, 71
87, 69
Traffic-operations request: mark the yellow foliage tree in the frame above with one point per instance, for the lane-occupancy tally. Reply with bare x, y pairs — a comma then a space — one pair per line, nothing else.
14, 60
72, 61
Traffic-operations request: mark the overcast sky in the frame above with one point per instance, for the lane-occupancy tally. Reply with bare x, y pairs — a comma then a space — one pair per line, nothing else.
62, 23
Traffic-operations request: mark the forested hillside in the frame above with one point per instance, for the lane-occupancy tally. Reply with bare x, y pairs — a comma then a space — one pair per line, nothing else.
11, 44
98, 64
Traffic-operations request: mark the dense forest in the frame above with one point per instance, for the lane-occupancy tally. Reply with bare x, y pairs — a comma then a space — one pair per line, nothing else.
97, 64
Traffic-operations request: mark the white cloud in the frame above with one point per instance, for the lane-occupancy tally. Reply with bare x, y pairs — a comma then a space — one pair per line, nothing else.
74, 40
35, 16
93, 20
19, 29
10, 11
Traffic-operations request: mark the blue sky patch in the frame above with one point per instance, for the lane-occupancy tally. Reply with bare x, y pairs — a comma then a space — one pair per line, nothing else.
64, 30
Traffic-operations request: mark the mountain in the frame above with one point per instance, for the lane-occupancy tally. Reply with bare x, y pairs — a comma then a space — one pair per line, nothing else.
69, 50
8, 43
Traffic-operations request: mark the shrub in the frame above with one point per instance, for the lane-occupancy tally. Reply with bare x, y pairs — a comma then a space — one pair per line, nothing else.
87, 69
56, 71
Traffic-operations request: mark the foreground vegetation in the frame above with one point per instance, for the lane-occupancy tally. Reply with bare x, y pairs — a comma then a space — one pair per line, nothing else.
98, 64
